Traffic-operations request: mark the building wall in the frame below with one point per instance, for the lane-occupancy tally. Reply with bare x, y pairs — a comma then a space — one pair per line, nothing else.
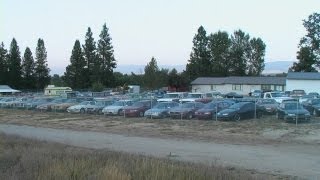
307, 85
243, 89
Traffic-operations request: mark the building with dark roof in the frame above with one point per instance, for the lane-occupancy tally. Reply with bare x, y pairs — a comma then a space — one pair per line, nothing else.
307, 81
239, 84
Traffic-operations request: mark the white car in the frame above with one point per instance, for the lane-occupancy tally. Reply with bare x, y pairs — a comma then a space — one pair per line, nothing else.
116, 107
80, 108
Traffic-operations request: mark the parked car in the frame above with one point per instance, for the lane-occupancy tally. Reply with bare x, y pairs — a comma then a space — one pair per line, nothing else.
313, 106
257, 93
297, 93
174, 96
137, 109
80, 108
185, 110
97, 107
5, 101
292, 112
199, 97
209, 110
161, 110
48, 106
38, 101
239, 111
64, 106
269, 106
116, 107
233, 95
305, 98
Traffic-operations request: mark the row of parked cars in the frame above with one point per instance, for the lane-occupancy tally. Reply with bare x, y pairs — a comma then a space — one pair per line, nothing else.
216, 108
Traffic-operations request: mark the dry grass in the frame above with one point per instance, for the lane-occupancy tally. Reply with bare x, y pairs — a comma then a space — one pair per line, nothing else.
29, 159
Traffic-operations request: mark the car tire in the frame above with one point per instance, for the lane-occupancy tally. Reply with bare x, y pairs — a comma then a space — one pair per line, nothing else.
315, 113
141, 114
236, 117
100, 111
189, 116
119, 112
82, 111
278, 116
259, 115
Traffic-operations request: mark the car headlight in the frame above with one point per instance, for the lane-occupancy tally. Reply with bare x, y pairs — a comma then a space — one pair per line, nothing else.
225, 114
207, 113
291, 114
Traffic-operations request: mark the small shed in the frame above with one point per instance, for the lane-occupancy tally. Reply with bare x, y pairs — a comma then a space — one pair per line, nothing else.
51, 90
7, 90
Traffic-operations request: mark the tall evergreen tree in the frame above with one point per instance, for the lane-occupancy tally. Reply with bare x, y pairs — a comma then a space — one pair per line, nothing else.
75, 75
199, 62
3, 64
219, 46
28, 69
14, 65
240, 49
41, 67
107, 61
255, 64
150, 74
309, 46
90, 56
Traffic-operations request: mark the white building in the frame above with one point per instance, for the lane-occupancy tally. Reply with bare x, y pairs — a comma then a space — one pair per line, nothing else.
240, 84
307, 81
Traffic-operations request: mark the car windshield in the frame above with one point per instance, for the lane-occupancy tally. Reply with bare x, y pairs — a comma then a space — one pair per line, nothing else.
161, 106
276, 94
187, 105
194, 96
315, 101
267, 101
210, 106
171, 96
119, 103
138, 104
84, 103
71, 101
291, 106
236, 106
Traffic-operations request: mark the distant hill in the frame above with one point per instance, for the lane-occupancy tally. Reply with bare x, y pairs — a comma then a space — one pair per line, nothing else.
270, 68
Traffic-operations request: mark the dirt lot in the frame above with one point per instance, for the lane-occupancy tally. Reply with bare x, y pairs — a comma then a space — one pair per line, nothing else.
267, 130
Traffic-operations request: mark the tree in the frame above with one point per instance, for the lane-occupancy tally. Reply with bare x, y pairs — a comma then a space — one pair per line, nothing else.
106, 61
75, 75
150, 74
309, 46
240, 48
57, 80
306, 61
3, 64
41, 67
14, 65
90, 56
199, 62
219, 47
256, 57
28, 70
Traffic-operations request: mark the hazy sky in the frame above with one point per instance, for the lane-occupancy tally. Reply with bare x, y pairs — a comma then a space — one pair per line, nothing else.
141, 29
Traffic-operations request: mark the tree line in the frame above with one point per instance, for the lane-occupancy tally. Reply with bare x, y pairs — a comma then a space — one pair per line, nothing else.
24, 72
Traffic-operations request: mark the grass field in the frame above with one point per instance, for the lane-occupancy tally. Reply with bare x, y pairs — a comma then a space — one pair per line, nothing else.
29, 159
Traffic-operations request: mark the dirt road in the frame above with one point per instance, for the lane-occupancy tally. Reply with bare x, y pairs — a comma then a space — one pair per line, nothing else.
296, 160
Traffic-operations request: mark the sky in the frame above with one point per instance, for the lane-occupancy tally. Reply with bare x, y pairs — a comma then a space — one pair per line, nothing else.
141, 29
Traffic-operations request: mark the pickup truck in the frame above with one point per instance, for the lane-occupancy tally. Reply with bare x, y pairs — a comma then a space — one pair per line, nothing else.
279, 97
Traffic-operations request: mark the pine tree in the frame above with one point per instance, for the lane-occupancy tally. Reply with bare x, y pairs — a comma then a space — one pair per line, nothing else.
90, 56
219, 46
199, 62
255, 64
240, 48
41, 67
3, 64
306, 61
28, 70
107, 61
75, 76
150, 74
14, 65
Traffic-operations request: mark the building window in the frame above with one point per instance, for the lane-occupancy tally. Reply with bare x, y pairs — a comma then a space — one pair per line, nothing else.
266, 87
237, 87
213, 87
278, 88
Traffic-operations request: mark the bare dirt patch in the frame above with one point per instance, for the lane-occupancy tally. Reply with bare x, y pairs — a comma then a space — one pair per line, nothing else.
267, 130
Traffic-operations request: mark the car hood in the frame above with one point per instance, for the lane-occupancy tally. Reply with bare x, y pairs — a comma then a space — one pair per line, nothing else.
113, 107
297, 111
206, 110
228, 111
167, 99
181, 109
157, 110
77, 106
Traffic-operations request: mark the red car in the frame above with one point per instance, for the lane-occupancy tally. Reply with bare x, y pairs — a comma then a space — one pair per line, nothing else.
138, 108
